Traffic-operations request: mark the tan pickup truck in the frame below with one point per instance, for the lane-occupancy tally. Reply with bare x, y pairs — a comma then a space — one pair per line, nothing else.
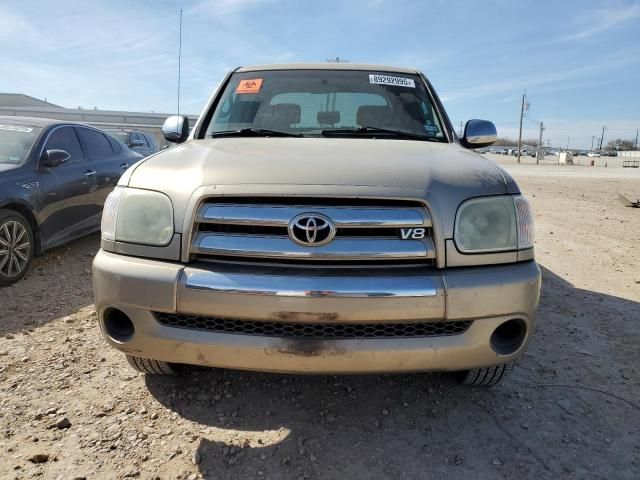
319, 218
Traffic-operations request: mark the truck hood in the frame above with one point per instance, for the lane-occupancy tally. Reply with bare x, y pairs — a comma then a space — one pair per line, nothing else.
443, 174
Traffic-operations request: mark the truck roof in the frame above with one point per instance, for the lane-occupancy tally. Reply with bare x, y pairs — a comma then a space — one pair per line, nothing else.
328, 66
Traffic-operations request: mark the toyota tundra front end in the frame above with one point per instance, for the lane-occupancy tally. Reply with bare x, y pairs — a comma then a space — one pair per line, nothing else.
320, 219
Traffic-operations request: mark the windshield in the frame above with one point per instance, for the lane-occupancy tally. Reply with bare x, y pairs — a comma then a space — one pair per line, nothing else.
16, 141
327, 102
122, 136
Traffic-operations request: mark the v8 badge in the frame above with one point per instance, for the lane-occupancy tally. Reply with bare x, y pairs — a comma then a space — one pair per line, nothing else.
412, 233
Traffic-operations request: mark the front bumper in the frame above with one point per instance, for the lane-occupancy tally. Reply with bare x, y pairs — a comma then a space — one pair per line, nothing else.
488, 296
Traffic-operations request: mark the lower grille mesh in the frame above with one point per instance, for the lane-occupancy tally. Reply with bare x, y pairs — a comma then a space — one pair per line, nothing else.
312, 330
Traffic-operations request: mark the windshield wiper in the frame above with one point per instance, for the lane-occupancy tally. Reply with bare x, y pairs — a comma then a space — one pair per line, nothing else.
374, 130
254, 132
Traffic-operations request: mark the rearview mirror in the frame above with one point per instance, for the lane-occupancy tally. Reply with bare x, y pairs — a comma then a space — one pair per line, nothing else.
176, 128
478, 134
53, 158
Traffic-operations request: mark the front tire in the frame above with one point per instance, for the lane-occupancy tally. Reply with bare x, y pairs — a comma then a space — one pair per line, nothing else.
151, 367
486, 376
17, 246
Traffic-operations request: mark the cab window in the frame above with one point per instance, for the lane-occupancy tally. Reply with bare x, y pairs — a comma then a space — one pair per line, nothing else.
96, 143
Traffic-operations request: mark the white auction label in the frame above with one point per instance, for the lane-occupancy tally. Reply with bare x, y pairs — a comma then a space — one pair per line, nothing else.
16, 128
389, 80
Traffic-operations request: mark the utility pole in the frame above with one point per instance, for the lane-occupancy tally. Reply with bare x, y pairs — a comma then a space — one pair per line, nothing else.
568, 140
460, 129
524, 99
337, 60
635, 145
593, 137
540, 144
602, 138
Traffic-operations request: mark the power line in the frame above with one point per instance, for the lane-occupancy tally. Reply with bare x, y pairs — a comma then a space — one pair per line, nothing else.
527, 117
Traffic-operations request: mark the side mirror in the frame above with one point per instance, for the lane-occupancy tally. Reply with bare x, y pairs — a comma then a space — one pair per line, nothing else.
53, 158
478, 134
137, 143
176, 128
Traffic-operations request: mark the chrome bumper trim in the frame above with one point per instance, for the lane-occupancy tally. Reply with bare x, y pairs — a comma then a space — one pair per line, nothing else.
311, 287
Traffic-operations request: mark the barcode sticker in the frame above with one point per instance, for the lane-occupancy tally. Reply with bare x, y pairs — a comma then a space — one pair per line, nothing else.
389, 80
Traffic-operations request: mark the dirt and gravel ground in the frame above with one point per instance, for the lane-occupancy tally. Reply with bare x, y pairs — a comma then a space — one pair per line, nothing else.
71, 408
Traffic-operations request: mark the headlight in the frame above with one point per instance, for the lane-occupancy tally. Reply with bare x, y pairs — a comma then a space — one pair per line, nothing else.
494, 224
138, 216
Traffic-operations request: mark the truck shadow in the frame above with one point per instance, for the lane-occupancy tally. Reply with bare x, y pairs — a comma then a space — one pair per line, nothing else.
418, 425
58, 284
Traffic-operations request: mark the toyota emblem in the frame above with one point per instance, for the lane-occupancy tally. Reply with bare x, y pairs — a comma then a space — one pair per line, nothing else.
311, 229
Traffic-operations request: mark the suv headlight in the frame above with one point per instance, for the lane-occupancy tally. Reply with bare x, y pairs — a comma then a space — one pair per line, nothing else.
133, 215
494, 224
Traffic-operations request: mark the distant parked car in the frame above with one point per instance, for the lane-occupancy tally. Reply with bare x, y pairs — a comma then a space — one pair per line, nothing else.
593, 154
523, 152
54, 179
582, 153
140, 142
612, 153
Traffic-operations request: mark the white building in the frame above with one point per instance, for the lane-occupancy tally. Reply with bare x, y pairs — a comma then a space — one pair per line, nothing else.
17, 104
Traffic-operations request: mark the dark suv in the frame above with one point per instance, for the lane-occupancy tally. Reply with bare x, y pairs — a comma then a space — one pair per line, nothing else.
140, 142
54, 179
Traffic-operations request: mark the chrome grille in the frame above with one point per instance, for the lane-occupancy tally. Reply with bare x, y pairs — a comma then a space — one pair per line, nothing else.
312, 330
256, 229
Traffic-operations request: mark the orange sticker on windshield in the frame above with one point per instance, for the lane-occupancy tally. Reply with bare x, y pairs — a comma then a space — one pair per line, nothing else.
249, 86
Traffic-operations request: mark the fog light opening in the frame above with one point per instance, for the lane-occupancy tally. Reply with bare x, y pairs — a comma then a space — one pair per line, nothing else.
509, 336
118, 325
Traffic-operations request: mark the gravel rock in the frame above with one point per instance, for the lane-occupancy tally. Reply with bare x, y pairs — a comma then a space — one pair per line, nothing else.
39, 458
571, 433
63, 423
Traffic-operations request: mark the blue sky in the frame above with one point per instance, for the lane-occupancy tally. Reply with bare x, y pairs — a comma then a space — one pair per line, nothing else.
579, 61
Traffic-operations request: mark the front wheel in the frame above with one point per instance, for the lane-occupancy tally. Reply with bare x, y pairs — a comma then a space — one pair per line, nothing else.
486, 376
16, 246
151, 367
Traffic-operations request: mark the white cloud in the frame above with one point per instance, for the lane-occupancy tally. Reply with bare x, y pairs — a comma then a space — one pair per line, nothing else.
13, 25
224, 8
601, 20
558, 77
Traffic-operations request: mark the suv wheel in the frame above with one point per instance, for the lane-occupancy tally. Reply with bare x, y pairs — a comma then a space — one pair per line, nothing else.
486, 376
151, 367
16, 246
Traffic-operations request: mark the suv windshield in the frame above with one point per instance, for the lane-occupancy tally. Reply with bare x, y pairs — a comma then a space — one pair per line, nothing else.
120, 135
16, 141
336, 103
